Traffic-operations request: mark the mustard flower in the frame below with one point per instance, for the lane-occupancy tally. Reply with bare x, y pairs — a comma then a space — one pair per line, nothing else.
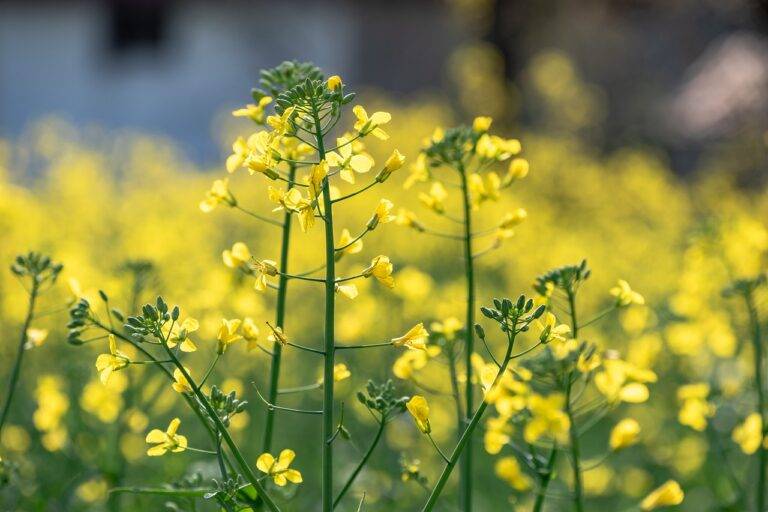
334, 82
414, 339
35, 337
250, 332
178, 333
509, 470
482, 124
620, 381
365, 125
283, 123
254, 112
625, 296
277, 336
240, 152
279, 469
345, 240
484, 187
263, 269
381, 268
294, 202
624, 434
347, 290
695, 409
668, 494
749, 434
317, 174
393, 163
238, 255
350, 158
166, 441
228, 334
340, 372
218, 194
419, 409
180, 382
435, 199
408, 219
382, 215
263, 153
412, 361
550, 330
518, 169
419, 172
513, 218
547, 417
108, 363
448, 327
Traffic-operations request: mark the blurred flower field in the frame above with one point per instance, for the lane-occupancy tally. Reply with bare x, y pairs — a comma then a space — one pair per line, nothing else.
121, 211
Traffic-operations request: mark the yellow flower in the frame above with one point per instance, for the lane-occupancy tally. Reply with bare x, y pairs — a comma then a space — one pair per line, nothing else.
334, 82
393, 163
381, 268
294, 202
482, 123
240, 152
448, 327
347, 290
547, 417
412, 361
518, 169
484, 187
340, 372
625, 296
496, 436
181, 384
218, 194
254, 112
408, 219
695, 408
508, 469
491, 147
237, 256
614, 382
366, 125
749, 435
669, 493
350, 247
419, 172
624, 434
587, 363
419, 409
35, 337
262, 153
179, 333
283, 123
382, 215
228, 334
513, 218
550, 330
166, 441
250, 332
435, 200
263, 269
350, 157
279, 469
108, 363
414, 339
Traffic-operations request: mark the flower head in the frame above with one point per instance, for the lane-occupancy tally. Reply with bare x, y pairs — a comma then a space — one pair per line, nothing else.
414, 339
349, 244
166, 441
218, 194
435, 199
263, 269
108, 363
624, 434
350, 157
393, 163
178, 333
508, 469
518, 169
279, 468
625, 296
35, 337
250, 332
382, 215
381, 268
749, 434
181, 384
254, 112
228, 334
419, 409
669, 493
238, 255
482, 124
365, 125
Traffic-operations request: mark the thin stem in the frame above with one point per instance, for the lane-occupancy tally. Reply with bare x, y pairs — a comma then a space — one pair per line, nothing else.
760, 388
306, 349
354, 240
257, 216
210, 369
16, 372
301, 278
300, 389
578, 499
466, 464
353, 194
453, 374
277, 350
329, 336
432, 439
369, 345
467, 434
440, 234
545, 478
599, 316
362, 463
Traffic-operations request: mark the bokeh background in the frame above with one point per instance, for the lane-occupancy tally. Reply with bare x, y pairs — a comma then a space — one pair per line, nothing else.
646, 126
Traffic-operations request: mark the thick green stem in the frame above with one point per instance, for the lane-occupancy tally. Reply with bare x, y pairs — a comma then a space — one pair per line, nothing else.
16, 371
282, 293
467, 434
329, 339
578, 498
545, 478
362, 463
760, 388
465, 496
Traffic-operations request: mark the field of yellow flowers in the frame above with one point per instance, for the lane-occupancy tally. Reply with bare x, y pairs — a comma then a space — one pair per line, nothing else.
634, 369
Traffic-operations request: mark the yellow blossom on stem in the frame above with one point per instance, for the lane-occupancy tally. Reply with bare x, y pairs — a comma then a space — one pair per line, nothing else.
435, 199
334, 82
482, 123
668, 494
624, 434
513, 218
550, 330
35, 337
382, 215
414, 339
254, 112
166, 441
448, 327
218, 194
277, 336
508, 469
263, 269
181, 384
279, 468
393, 163
347, 290
620, 381
179, 334
419, 409
250, 332
317, 174
108, 363
518, 169
365, 125
345, 240
749, 434
408, 219
381, 268
695, 409
228, 334
419, 172
340, 373
350, 158
547, 417
412, 361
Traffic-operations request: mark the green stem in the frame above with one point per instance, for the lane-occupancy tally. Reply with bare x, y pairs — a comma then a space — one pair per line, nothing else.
545, 479
362, 463
466, 463
467, 434
760, 388
16, 372
578, 499
282, 293
329, 339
